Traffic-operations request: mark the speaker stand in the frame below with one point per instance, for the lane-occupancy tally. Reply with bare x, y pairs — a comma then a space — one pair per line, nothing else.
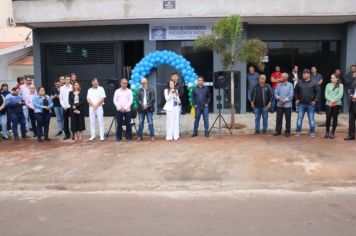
219, 118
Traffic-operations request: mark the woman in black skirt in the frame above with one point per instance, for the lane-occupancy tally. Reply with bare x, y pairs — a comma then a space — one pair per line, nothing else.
76, 101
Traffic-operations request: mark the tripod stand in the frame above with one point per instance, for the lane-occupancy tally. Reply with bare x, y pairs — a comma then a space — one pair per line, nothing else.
219, 117
109, 131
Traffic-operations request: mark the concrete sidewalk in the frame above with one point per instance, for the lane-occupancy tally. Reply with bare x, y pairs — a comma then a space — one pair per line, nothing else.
187, 124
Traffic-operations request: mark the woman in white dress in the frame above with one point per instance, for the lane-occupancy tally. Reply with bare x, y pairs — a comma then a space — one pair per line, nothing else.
172, 109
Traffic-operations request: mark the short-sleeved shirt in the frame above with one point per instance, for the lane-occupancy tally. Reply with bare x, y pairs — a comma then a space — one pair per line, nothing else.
276, 75
96, 94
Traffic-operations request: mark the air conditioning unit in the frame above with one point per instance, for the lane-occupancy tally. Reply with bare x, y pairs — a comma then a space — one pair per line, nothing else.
11, 21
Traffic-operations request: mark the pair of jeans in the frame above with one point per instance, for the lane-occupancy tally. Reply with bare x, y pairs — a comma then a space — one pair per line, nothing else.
198, 112
332, 113
31, 114
26, 114
287, 112
274, 102
42, 120
141, 117
310, 110
261, 111
120, 118
3, 124
16, 119
59, 116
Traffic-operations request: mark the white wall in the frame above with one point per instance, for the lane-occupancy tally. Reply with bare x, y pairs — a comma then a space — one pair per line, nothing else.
106, 10
10, 33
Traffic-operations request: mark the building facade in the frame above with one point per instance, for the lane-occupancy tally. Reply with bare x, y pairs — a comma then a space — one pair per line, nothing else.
106, 38
15, 44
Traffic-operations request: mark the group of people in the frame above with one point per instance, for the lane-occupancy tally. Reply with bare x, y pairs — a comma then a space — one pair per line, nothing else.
31, 108
301, 93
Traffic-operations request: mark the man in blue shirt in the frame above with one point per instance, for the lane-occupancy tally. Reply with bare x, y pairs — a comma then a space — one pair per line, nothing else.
252, 80
201, 99
284, 95
14, 104
318, 79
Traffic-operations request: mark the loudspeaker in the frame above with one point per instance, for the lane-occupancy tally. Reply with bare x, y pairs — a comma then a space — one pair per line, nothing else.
221, 79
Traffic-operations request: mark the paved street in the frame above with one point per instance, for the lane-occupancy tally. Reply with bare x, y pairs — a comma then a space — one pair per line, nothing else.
251, 213
229, 185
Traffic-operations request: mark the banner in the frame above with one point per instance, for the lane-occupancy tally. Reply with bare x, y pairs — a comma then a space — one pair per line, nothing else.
178, 31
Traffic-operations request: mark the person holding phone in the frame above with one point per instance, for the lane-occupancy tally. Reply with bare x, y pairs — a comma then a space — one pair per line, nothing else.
171, 94
42, 104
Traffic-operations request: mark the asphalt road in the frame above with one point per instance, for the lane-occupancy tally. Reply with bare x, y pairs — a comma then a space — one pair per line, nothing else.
250, 212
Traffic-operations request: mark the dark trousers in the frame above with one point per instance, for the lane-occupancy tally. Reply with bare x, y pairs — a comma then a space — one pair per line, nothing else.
66, 115
287, 112
331, 113
123, 118
352, 119
16, 119
42, 120
31, 114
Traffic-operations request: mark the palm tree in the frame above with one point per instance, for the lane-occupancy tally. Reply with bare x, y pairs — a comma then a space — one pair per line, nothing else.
225, 39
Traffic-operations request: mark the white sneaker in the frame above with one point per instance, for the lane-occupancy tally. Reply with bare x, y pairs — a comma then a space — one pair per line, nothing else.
102, 139
92, 138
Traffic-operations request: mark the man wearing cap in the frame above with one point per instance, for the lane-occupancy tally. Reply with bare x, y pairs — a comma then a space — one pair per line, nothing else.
307, 93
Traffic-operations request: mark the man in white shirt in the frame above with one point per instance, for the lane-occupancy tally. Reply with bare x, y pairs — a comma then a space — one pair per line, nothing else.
95, 98
64, 101
24, 92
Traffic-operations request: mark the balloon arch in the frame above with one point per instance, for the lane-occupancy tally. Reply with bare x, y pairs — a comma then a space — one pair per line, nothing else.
157, 58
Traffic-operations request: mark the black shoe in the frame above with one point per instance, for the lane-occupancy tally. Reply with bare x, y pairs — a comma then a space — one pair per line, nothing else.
287, 135
35, 135
66, 137
39, 140
349, 138
257, 132
47, 139
276, 134
73, 137
25, 136
207, 135
194, 135
327, 135
6, 138
59, 133
332, 135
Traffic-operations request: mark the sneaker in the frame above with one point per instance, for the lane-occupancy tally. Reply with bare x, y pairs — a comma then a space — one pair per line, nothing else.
92, 138
59, 133
207, 135
139, 139
66, 137
102, 139
6, 137
312, 135
298, 134
47, 139
276, 134
257, 132
194, 135
152, 138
